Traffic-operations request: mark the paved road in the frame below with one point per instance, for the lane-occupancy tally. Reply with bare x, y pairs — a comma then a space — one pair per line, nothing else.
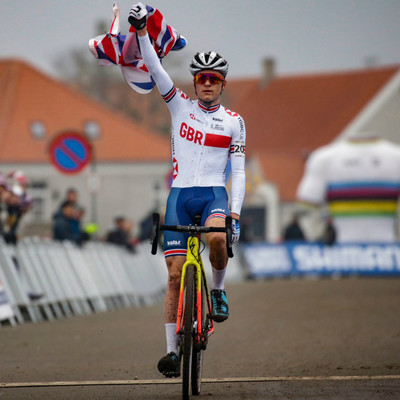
288, 328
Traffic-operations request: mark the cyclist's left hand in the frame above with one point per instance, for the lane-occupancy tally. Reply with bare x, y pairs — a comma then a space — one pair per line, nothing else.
137, 16
235, 230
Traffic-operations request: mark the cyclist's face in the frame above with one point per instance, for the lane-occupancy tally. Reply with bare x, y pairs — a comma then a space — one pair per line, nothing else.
207, 91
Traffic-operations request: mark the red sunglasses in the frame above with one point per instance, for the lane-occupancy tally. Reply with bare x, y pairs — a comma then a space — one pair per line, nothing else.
203, 77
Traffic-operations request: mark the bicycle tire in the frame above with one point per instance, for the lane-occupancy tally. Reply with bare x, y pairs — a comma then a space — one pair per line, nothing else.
188, 319
198, 351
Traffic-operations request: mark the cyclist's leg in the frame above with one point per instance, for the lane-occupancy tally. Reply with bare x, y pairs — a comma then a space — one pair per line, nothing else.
217, 244
175, 255
217, 212
174, 265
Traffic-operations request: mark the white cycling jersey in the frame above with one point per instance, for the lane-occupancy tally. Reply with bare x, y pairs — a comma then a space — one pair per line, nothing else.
360, 181
202, 138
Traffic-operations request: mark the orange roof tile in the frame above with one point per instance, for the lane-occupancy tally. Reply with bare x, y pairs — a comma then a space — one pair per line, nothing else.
28, 95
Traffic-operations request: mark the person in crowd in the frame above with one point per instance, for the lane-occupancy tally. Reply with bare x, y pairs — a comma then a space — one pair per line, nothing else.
71, 197
293, 231
14, 214
25, 201
14, 203
120, 234
76, 218
64, 227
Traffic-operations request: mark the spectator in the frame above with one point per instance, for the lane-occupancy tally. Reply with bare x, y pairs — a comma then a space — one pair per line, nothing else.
64, 227
293, 231
71, 197
120, 235
14, 215
25, 201
14, 203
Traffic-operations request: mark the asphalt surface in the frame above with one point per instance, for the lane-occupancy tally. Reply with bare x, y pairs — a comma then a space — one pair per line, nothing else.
289, 330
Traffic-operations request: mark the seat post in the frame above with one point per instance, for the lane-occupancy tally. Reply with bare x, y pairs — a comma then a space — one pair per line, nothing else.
197, 220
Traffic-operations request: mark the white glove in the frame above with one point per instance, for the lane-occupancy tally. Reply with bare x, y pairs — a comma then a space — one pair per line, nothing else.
235, 230
137, 15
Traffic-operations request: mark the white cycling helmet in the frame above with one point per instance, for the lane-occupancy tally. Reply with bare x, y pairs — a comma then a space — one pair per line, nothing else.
209, 60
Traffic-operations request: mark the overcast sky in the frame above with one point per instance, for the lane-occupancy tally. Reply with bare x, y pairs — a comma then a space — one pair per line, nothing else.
302, 35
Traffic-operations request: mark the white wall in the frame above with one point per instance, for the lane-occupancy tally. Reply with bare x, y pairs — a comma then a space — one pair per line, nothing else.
125, 188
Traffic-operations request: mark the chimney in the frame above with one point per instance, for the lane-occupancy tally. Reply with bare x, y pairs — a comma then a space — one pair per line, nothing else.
268, 71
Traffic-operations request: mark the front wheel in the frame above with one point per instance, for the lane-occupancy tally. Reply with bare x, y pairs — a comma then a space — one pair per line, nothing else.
188, 320
198, 350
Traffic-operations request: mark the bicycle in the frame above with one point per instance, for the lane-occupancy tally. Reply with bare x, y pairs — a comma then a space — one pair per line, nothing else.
194, 323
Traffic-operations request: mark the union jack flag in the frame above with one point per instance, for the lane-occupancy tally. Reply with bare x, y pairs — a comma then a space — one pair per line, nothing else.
123, 50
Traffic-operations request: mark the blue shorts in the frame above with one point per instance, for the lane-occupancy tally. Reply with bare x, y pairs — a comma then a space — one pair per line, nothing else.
183, 205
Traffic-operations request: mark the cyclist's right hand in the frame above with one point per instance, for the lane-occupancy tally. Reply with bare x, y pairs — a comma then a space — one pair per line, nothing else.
137, 16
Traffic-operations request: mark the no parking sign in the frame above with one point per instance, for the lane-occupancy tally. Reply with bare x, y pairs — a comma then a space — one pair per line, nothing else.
70, 152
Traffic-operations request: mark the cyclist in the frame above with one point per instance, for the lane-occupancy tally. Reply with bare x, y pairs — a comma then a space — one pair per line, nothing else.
204, 136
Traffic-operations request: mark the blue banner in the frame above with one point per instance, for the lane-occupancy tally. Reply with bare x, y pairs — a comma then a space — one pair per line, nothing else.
291, 259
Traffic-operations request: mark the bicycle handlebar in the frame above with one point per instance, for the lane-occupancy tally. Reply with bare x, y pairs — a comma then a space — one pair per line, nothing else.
191, 229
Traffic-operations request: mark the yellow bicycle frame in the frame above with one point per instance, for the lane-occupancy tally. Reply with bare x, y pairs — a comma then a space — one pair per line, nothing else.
193, 258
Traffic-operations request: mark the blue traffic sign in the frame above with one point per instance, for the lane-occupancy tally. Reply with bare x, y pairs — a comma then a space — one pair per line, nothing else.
70, 152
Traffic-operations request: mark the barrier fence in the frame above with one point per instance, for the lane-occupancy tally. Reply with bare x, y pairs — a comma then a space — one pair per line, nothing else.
41, 279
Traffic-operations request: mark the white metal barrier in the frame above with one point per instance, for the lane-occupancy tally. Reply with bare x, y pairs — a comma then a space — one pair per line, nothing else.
47, 280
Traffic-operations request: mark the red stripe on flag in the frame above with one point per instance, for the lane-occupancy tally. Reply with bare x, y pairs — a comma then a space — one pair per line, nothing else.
109, 48
217, 141
154, 24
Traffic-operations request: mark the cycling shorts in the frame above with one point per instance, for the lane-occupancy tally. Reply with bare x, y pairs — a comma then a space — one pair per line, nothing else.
183, 205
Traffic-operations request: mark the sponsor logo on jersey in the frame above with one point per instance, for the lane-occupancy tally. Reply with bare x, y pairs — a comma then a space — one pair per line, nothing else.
218, 127
218, 119
241, 123
192, 116
217, 210
173, 242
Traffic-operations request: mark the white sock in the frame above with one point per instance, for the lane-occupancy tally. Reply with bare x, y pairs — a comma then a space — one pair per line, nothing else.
172, 338
218, 278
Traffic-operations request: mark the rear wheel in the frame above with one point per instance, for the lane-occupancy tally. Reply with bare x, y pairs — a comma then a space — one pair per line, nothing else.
198, 350
188, 319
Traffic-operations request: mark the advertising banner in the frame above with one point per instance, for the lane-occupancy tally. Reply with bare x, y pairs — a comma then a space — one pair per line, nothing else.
288, 259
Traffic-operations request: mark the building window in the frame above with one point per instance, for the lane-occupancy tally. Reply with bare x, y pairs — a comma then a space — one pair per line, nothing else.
39, 192
38, 209
92, 130
38, 130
